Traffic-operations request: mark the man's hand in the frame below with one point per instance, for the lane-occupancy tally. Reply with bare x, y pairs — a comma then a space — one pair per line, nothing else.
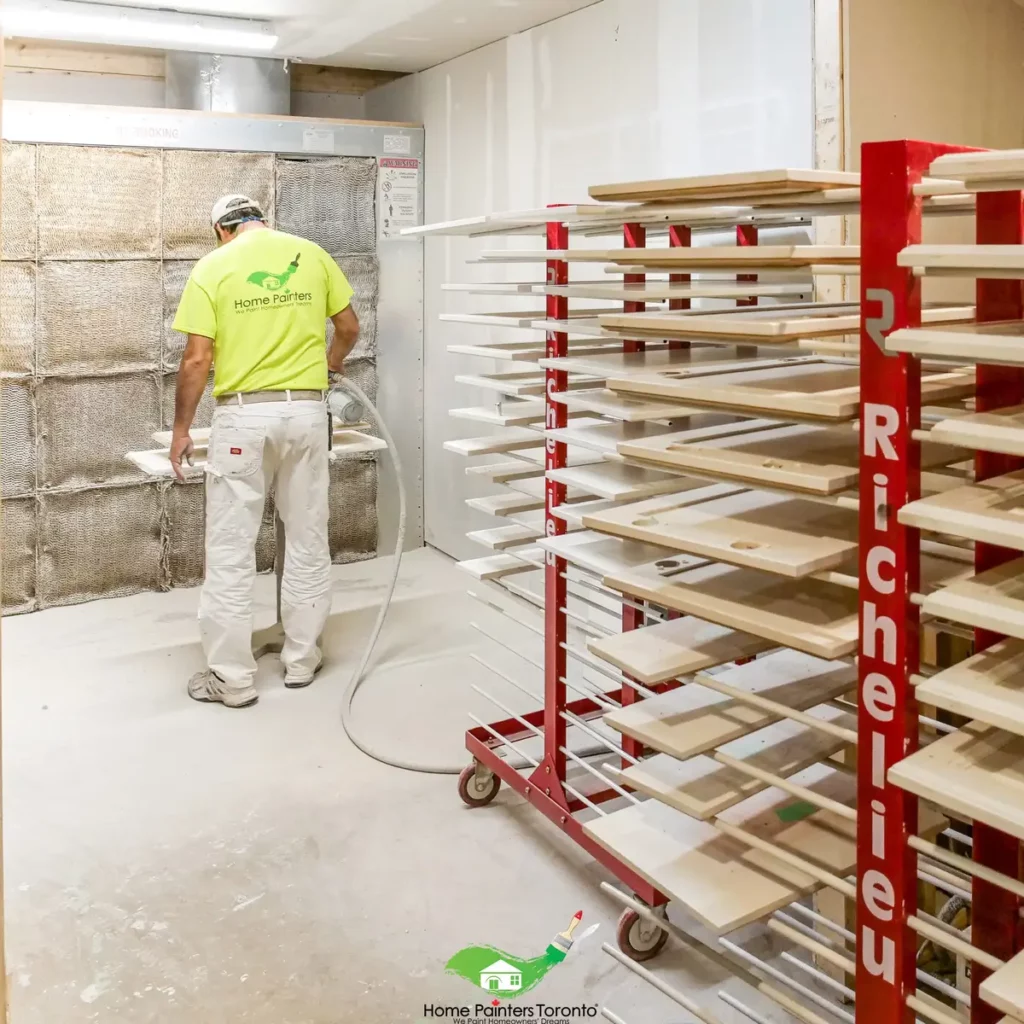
181, 448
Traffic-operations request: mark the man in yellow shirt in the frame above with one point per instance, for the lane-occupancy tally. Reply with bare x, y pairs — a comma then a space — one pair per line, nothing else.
256, 309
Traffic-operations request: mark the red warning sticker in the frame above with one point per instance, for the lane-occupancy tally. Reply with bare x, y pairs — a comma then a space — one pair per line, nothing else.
236, 451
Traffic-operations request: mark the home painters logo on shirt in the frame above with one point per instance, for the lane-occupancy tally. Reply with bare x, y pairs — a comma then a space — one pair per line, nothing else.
275, 282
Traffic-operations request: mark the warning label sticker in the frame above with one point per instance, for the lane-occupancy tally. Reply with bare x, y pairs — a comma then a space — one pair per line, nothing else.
398, 195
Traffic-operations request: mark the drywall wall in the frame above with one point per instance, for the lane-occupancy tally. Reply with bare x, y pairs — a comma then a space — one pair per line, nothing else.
148, 91
618, 90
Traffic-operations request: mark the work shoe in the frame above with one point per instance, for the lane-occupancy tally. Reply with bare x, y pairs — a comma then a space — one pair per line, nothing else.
299, 682
209, 688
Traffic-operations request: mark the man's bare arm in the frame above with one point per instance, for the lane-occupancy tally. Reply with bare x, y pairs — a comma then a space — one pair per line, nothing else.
192, 377
346, 334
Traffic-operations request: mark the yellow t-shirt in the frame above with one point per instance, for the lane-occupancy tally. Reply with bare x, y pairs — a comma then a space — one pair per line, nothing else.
264, 299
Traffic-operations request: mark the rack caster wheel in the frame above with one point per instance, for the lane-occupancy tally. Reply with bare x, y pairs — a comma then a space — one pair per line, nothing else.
477, 790
640, 939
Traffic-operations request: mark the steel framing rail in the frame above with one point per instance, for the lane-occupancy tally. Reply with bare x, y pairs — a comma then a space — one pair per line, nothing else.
890, 473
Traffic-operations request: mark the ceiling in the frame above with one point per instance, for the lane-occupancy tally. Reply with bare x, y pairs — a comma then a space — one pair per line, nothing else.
392, 35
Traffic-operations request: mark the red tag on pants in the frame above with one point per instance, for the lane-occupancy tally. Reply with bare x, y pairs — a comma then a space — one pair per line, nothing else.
236, 451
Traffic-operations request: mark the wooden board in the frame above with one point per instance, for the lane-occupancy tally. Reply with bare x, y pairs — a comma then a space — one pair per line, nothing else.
531, 352
718, 256
804, 458
505, 472
624, 364
767, 324
810, 616
603, 555
495, 567
992, 600
721, 187
504, 504
1001, 343
657, 291
977, 772
537, 456
573, 515
815, 388
617, 482
988, 687
623, 407
703, 787
1001, 430
680, 647
721, 881
793, 537
534, 519
515, 383
508, 441
505, 537
966, 260
692, 719
508, 415
991, 511
518, 319
1005, 988
601, 436
536, 488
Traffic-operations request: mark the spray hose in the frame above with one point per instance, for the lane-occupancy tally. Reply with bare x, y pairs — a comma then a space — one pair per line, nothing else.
347, 413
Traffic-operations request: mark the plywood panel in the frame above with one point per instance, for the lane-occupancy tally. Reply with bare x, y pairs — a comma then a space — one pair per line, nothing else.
623, 407
504, 537
661, 291
811, 459
967, 259
617, 482
512, 383
988, 687
991, 511
692, 719
605, 555
815, 388
504, 504
680, 647
618, 364
508, 441
1005, 988
496, 567
992, 600
722, 882
601, 436
789, 536
977, 772
1001, 343
719, 257
810, 616
702, 787
725, 186
1001, 430
767, 324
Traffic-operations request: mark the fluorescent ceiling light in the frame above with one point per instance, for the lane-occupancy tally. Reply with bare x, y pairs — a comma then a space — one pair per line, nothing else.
70, 21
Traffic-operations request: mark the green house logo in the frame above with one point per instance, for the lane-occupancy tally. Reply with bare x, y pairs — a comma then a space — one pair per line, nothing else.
502, 975
275, 282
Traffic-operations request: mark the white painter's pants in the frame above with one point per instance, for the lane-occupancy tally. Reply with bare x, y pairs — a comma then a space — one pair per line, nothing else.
252, 446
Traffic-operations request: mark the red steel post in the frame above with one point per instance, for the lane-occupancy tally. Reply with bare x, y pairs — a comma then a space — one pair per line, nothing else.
890, 477
549, 776
634, 236
746, 234
994, 921
679, 237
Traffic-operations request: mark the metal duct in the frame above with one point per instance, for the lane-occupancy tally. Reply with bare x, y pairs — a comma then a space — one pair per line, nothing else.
230, 85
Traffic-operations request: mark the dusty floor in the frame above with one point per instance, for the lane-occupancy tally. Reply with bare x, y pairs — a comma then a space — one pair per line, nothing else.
174, 862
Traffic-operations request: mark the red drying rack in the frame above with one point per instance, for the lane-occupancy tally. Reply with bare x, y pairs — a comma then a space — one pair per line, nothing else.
546, 787
891, 218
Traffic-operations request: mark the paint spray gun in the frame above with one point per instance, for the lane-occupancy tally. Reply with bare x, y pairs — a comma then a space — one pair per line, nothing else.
343, 404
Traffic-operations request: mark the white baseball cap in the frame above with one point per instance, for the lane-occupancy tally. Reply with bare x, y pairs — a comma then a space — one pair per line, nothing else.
236, 204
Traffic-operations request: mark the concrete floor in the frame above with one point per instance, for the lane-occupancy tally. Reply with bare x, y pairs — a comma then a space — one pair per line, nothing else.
175, 862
